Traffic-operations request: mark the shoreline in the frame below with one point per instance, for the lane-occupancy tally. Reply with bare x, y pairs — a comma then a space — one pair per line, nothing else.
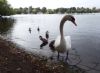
14, 59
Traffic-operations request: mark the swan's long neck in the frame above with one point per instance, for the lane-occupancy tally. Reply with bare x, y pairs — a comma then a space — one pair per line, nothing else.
61, 28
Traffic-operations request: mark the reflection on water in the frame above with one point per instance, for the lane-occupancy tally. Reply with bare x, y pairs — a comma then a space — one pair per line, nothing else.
85, 37
6, 25
76, 60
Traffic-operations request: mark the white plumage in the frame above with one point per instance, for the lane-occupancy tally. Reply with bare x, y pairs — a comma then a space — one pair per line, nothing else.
63, 43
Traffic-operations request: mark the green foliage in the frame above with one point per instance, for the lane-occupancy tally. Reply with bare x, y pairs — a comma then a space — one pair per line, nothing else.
36, 10
50, 11
30, 9
5, 8
44, 10
54, 11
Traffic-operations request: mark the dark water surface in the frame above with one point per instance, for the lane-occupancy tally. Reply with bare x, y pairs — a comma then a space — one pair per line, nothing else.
85, 37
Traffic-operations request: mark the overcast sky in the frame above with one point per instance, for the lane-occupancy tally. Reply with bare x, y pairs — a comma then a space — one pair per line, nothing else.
54, 3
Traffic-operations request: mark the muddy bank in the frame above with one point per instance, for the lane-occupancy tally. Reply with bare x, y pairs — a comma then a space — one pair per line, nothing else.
15, 60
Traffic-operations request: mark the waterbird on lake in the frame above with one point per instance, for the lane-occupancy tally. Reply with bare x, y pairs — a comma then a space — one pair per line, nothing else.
51, 45
47, 35
30, 30
38, 29
44, 42
62, 44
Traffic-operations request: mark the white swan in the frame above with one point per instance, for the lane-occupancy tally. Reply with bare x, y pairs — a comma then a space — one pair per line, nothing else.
63, 43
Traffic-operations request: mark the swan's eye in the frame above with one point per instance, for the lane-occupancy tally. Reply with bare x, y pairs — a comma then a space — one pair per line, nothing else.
73, 19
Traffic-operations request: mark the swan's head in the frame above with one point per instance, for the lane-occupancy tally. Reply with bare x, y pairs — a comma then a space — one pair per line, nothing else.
70, 18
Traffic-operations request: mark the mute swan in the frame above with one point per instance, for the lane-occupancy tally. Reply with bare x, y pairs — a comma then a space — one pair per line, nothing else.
62, 43
38, 29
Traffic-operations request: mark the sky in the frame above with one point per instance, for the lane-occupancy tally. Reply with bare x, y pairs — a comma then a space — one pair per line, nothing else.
52, 4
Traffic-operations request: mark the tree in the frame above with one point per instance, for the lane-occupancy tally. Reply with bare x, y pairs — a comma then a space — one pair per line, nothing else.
50, 11
25, 10
44, 10
36, 10
94, 9
30, 9
72, 9
5, 8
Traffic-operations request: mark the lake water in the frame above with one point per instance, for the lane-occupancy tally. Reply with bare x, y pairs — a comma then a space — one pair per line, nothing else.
85, 37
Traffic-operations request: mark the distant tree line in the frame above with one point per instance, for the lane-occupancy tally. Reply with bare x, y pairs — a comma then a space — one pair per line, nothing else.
6, 9
44, 10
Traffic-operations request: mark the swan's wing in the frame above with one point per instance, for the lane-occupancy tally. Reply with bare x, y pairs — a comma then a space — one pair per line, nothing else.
57, 41
68, 42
